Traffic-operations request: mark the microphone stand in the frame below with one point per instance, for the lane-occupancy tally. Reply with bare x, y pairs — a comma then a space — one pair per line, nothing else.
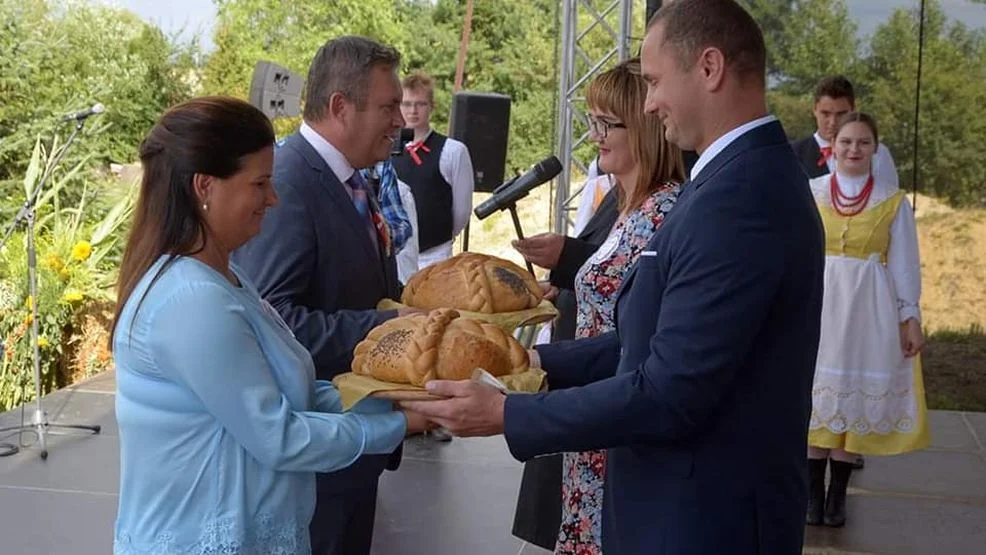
520, 234
39, 422
512, 207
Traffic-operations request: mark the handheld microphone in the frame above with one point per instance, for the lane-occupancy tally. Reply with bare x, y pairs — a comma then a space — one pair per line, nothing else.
510, 192
79, 116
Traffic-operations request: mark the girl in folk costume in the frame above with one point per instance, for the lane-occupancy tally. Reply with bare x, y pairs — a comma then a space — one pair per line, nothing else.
868, 395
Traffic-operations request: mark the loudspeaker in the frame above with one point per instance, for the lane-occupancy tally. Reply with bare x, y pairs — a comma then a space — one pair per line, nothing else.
275, 90
482, 122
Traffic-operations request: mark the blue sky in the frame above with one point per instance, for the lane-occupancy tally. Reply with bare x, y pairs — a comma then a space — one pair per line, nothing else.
199, 15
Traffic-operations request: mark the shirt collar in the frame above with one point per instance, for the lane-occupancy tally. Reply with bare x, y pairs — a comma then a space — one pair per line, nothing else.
336, 161
821, 142
722, 142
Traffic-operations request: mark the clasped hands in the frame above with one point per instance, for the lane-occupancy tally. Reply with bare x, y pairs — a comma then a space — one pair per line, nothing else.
471, 410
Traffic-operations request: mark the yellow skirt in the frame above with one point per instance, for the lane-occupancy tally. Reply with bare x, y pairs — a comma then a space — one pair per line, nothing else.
893, 443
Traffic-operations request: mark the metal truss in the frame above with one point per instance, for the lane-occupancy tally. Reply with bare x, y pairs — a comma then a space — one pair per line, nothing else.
583, 22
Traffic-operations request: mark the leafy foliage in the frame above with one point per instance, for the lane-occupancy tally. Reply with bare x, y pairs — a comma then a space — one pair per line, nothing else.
57, 57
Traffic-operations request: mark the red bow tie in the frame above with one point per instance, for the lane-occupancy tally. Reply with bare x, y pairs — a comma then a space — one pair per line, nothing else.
826, 154
413, 148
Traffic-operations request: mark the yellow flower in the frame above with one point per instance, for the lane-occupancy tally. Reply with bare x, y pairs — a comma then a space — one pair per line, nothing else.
71, 296
54, 262
81, 250
43, 342
64, 273
28, 319
29, 302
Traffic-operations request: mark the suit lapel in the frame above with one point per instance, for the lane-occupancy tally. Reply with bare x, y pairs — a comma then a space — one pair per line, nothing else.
341, 204
766, 134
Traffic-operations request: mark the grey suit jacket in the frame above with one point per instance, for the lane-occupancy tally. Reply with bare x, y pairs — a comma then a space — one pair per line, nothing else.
314, 262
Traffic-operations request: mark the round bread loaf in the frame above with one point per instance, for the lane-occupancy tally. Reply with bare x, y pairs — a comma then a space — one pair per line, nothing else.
475, 283
438, 345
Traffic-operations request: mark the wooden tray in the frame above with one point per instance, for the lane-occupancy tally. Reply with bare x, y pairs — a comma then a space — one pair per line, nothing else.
398, 395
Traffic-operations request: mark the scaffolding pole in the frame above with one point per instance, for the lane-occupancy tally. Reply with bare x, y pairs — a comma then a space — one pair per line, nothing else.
578, 66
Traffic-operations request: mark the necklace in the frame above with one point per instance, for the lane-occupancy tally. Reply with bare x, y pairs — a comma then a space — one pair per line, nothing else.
847, 205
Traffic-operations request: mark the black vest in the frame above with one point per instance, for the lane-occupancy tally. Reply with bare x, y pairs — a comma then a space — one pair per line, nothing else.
809, 154
432, 194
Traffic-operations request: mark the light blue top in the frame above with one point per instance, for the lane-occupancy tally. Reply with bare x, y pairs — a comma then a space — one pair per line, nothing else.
222, 423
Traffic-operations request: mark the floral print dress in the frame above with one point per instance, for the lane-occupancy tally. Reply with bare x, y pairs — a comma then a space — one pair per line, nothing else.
595, 288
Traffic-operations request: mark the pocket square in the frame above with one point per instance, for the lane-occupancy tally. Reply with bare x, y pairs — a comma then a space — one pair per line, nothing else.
648, 253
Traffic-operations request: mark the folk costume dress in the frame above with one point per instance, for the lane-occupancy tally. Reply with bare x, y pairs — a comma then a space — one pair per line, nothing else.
596, 285
867, 397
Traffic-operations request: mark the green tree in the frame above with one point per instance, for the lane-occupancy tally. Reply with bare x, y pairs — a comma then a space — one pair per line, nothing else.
288, 33
511, 51
56, 57
953, 90
806, 40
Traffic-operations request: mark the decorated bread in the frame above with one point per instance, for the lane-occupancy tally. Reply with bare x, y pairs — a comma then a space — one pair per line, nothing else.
473, 282
438, 345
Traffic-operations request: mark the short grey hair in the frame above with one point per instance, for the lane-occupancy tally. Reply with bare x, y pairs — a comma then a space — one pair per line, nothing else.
343, 65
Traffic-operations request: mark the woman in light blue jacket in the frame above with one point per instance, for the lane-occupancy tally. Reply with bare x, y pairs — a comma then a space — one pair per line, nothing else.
222, 423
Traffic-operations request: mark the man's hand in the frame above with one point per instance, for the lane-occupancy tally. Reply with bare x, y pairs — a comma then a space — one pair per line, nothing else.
474, 409
548, 292
543, 249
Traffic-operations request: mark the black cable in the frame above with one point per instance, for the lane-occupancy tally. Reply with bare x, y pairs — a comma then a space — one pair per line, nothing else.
917, 110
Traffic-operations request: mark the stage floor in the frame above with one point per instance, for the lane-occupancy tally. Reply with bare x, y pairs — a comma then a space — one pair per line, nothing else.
459, 497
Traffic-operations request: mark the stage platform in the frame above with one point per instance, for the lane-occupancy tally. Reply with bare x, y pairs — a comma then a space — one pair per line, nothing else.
459, 497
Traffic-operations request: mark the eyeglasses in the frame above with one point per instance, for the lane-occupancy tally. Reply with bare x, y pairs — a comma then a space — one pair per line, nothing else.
420, 105
600, 127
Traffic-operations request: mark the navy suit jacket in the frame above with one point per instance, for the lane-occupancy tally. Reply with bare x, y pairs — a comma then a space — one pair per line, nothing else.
315, 263
702, 394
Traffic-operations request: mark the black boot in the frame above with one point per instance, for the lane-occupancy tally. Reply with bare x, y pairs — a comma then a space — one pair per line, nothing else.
858, 463
816, 491
835, 501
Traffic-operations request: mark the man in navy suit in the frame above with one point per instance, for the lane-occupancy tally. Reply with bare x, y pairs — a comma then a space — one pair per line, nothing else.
702, 394
324, 259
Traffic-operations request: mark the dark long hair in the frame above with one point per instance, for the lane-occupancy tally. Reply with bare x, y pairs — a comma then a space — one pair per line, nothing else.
209, 136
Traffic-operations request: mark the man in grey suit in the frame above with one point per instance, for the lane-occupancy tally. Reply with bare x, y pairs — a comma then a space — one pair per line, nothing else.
324, 259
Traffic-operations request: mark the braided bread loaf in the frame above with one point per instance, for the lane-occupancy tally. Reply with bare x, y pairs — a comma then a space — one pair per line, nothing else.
473, 282
438, 345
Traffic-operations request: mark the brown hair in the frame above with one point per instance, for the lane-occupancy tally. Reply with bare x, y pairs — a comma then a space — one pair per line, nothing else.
621, 91
691, 26
420, 81
860, 117
344, 65
835, 87
208, 135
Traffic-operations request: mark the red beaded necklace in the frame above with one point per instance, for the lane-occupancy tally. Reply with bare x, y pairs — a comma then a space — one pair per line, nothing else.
847, 205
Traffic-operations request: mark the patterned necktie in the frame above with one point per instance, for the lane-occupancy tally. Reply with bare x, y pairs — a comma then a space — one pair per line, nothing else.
362, 203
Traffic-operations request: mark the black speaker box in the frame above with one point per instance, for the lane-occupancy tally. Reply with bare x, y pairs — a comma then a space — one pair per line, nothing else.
482, 122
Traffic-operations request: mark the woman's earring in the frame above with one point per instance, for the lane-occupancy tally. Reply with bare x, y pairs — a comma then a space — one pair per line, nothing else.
205, 207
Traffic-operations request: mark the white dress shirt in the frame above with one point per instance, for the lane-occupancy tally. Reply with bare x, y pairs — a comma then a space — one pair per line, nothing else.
722, 142
337, 162
456, 168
